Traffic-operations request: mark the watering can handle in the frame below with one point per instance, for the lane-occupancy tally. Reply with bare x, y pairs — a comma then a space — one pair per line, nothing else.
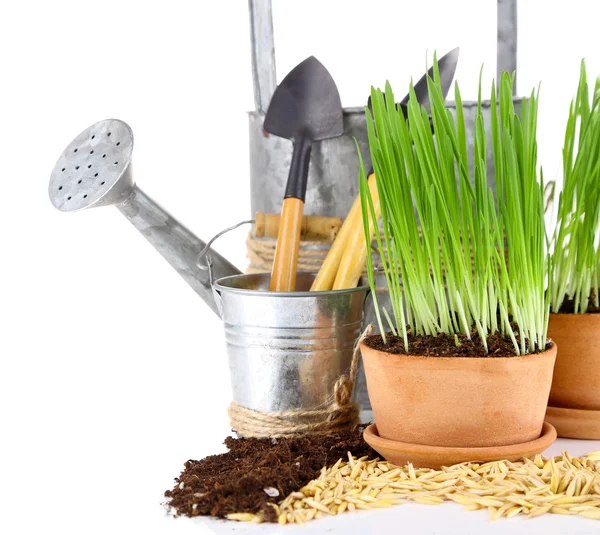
263, 53
506, 43
263, 47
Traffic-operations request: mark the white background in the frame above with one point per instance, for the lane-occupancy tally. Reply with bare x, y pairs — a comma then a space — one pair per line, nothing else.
113, 372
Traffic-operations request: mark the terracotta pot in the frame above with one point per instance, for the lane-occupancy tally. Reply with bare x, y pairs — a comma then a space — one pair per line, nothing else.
576, 382
458, 401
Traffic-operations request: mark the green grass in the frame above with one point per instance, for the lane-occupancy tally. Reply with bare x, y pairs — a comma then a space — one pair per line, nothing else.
455, 261
576, 252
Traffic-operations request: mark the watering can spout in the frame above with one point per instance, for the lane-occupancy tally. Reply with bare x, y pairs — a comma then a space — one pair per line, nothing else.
95, 170
176, 244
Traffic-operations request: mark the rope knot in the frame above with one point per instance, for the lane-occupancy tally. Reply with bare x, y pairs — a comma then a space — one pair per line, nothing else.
343, 389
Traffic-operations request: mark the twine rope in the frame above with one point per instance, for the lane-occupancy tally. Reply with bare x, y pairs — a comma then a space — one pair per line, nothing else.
261, 253
311, 255
340, 413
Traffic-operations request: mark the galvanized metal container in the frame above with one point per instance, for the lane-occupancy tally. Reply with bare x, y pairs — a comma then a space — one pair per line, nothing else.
334, 164
333, 174
286, 350
333, 170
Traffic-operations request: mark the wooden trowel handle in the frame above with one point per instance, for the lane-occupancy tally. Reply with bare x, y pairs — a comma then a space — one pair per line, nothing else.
283, 276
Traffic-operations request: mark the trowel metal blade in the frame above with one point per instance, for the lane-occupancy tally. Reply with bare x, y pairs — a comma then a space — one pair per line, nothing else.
447, 68
306, 104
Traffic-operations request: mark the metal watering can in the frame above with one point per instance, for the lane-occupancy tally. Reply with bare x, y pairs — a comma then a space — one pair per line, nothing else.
286, 349
95, 170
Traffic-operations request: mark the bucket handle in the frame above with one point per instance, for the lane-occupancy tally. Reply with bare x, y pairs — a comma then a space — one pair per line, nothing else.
204, 262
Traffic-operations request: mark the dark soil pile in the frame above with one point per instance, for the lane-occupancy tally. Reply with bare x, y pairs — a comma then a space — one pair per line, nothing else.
444, 345
568, 306
235, 482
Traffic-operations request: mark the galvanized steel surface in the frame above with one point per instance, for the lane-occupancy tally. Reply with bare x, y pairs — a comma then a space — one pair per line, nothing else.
286, 350
333, 170
94, 169
263, 52
175, 243
333, 175
506, 48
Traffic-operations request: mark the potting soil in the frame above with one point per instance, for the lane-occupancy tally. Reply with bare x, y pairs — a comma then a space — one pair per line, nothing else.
257, 472
568, 306
444, 345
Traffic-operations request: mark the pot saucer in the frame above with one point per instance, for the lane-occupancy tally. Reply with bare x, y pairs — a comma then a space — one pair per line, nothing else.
421, 456
575, 423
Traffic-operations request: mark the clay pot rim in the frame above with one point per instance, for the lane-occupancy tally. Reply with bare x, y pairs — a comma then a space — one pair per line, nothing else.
566, 411
529, 356
374, 439
575, 423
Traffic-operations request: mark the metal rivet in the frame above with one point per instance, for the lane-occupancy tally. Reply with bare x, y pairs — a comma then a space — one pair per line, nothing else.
63, 169
108, 134
91, 152
89, 166
95, 175
75, 150
118, 143
68, 198
59, 187
79, 182
77, 167
104, 156
85, 196
102, 183
93, 136
116, 163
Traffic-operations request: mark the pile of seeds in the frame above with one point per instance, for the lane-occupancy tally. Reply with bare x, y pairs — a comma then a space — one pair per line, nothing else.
561, 485
255, 474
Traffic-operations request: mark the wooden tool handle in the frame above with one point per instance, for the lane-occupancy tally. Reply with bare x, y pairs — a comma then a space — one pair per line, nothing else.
314, 227
352, 224
283, 275
355, 254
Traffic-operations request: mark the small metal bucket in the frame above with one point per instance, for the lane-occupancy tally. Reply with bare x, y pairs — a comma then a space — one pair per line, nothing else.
286, 350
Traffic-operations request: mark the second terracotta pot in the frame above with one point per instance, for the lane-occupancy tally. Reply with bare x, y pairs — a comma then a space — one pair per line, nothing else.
576, 383
459, 401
